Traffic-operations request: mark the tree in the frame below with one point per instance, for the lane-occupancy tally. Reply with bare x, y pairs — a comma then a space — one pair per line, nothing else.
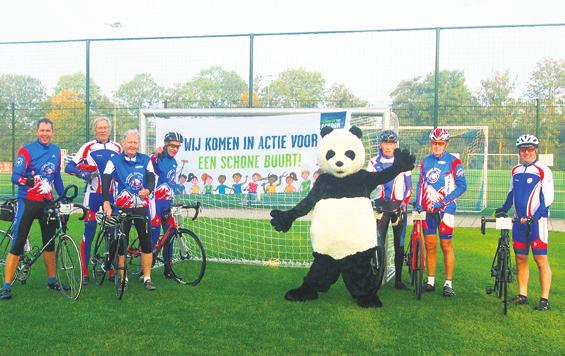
295, 88
77, 83
68, 110
24, 91
413, 99
546, 80
339, 96
213, 87
140, 92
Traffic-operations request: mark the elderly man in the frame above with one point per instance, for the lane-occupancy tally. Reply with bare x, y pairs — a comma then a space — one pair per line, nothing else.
88, 163
134, 179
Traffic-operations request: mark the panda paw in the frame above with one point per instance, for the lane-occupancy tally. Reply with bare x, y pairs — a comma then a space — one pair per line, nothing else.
403, 160
301, 294
369, 301
281, 220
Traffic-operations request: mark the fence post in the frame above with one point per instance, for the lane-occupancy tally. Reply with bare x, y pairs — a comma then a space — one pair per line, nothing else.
250, 88
87, 93
13, 107
436, 82
538, 115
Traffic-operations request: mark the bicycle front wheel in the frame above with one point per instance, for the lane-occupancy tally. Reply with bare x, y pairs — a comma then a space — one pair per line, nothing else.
68, 267
504, 279
419, 270
5, 245
120, 267
188, 257
378, 266
99, 258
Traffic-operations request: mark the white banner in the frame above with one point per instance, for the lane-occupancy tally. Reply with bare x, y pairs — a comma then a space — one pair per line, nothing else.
269, 153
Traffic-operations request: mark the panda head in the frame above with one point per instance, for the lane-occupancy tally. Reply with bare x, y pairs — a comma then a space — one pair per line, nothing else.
341, 152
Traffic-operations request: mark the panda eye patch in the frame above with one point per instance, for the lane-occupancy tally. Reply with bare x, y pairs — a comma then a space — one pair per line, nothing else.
330, 154
350, 154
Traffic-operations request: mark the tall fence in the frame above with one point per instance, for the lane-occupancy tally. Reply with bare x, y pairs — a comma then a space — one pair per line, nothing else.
509, 78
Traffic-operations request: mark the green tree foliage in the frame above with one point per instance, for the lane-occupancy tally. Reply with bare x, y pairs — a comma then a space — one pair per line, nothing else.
413, 100
339, 96
140, 92
99, 103
295, 88
213, 87
547, 78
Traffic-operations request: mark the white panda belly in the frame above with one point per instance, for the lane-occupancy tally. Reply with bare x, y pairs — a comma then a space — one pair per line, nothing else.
343, 227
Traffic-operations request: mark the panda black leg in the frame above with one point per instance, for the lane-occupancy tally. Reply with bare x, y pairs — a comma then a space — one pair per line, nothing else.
369, 301
301, 294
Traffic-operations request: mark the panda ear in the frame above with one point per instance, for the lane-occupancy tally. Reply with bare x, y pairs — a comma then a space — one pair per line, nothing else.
326, 130
356, 131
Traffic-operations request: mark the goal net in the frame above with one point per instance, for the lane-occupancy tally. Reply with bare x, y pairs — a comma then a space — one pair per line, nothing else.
242, 163
470, 144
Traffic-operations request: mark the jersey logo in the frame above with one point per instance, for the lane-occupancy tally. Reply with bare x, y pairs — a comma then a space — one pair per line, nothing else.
48, 168
459, 172
529, 180
441, 162
433, 175
135, 180
19, 161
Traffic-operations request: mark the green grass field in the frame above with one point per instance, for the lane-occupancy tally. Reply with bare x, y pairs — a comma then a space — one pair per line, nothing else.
239, 309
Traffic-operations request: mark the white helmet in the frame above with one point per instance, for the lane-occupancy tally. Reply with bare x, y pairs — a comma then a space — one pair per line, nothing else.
527, 140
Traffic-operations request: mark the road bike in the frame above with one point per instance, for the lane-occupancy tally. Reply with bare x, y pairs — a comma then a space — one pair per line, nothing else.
179, 249
68, 260
394, 214
414, 256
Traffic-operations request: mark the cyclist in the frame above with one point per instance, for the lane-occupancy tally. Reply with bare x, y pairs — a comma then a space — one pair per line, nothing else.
37, 169
442, 180
165, 166
88, 163
399, 189
133, 174
531, 193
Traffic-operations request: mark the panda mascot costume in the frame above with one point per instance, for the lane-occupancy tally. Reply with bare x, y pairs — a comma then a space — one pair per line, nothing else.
343, 227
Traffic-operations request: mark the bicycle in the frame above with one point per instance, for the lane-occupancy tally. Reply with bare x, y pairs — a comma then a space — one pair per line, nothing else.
110, 249
183, 252
378, 263
501, 268
414, 256
7, 213
68, 260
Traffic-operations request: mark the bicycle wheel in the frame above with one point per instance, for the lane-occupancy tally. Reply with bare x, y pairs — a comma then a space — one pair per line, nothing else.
419, 270
69, 267
134, 257
500, 274
5, 245
408, 261
188, 257
378, 266
120, 266
99, 258
504, 279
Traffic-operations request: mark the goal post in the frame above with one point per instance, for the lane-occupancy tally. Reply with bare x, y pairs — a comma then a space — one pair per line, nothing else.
236, 227
470, 144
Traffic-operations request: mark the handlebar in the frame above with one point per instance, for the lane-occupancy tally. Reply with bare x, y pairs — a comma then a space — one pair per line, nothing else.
502, 220
386, 206
197, 208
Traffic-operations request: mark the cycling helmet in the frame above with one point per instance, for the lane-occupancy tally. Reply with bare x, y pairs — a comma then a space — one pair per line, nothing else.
439, 134
527, 140
173, 136
388, 136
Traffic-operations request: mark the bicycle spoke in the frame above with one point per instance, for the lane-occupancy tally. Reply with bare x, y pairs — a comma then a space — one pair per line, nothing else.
68, 267
188, 258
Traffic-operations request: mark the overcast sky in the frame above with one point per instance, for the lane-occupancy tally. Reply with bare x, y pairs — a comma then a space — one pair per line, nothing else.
370, 65
70, 19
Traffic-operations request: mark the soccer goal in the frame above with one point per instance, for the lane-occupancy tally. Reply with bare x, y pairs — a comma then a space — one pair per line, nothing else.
470, 144
235, 223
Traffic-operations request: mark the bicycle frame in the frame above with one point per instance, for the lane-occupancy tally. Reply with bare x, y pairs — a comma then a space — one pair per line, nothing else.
415, 256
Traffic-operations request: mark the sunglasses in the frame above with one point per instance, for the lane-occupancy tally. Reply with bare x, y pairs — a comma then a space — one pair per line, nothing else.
527, 149
438, 143
173, 146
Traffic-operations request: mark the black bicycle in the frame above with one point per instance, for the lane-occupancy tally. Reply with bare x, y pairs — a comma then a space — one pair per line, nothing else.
378, 263
110, 249
501, 268
68, 260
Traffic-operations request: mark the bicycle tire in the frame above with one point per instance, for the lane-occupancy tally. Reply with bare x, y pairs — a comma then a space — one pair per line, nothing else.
500, 274
5, 245
120, 272
99, 258
504, 280
419, 271
68, 265
135, 261
378, 266
188, 257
